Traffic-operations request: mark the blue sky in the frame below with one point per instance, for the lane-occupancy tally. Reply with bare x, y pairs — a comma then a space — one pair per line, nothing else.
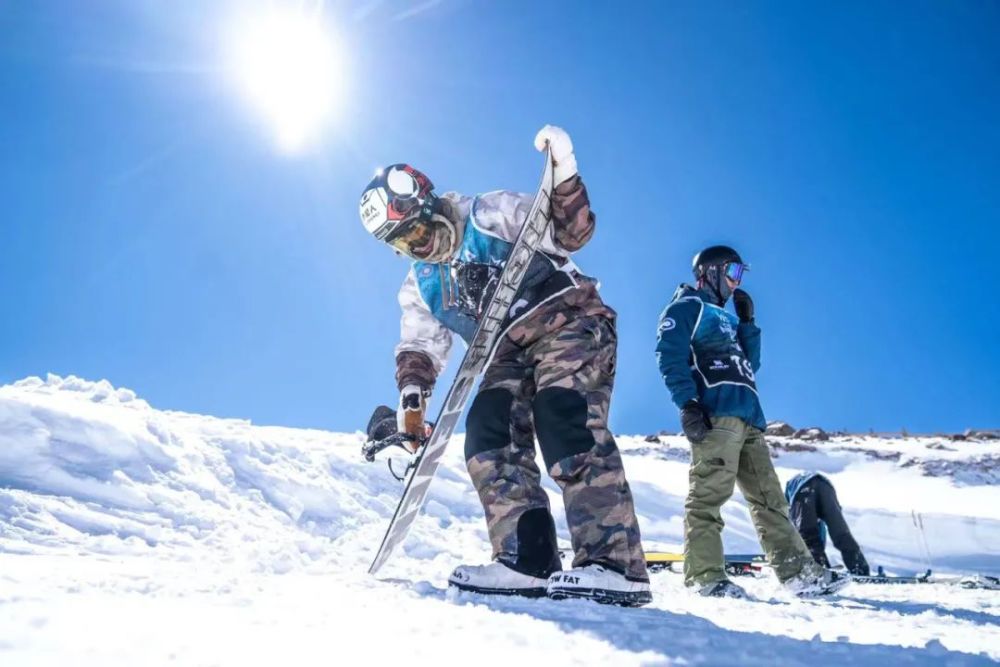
151, 233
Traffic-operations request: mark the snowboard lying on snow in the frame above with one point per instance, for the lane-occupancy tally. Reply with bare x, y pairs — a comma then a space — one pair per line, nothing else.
750, 564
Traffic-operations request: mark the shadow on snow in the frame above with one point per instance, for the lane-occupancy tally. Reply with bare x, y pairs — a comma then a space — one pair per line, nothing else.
698, 641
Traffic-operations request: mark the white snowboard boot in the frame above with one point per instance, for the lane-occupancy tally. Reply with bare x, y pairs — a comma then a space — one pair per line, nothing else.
598, 583
496, 579
827, 582
724, 589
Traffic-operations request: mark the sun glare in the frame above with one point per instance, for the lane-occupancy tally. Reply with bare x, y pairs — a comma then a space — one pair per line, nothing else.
285, 64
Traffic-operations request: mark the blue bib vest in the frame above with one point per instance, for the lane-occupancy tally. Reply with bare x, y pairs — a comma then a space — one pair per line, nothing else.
717, 355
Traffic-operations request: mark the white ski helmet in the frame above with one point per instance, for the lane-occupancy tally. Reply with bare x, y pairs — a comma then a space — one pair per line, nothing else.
397, 194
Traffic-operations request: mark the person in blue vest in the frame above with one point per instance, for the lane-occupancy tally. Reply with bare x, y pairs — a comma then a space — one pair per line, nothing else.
709, 358
550, 376
815, 511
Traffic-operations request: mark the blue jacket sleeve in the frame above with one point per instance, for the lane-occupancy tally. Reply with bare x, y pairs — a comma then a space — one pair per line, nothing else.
749, 334
673, 349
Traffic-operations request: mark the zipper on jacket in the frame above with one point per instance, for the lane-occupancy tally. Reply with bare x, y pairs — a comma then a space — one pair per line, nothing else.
447, 301
444, 287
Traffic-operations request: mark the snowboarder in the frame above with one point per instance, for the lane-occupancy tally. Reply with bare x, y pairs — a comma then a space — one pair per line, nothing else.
815, 511
551, 376
708, 358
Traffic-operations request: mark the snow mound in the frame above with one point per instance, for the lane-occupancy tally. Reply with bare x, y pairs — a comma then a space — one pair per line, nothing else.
131, 535
86, 465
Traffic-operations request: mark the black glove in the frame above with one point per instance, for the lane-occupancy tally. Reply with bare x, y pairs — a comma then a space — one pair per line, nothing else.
743, 304
695, 421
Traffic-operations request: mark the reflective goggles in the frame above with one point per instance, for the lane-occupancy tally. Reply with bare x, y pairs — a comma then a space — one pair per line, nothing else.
412, 233
407, 189
734, 271
403, 204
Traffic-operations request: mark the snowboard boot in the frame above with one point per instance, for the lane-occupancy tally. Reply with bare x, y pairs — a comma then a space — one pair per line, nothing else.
598, 583
497, 578
827, 582
724, 589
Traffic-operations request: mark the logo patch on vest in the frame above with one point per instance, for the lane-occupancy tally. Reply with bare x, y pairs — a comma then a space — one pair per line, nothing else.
727, 328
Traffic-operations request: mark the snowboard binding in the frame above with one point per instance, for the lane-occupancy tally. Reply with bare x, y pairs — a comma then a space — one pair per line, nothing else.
383, 434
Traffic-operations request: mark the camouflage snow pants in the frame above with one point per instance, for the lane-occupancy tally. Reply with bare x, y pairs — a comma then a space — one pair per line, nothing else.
735, 453
559, 388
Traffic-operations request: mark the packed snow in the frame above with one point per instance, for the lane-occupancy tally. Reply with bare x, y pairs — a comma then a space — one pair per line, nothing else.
135, 536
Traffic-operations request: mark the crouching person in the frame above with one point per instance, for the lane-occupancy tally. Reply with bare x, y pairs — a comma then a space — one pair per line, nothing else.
815, 512
550, 376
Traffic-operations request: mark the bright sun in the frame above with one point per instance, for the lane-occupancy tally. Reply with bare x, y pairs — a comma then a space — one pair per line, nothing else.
285, 64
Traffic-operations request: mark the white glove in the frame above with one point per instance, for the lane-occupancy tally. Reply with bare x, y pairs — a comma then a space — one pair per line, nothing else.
562, 151
410, 413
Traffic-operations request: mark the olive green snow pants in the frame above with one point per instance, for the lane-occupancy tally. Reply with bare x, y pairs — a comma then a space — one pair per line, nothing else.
735, 452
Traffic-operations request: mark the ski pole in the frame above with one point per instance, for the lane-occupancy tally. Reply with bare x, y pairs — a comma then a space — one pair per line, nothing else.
918, 522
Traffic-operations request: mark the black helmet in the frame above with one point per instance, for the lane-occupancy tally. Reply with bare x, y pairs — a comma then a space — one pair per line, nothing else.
714, 256
714, 263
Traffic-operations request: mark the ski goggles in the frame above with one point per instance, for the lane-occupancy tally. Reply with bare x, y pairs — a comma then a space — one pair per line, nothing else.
410, 234
407, 190
734, 271
405, 205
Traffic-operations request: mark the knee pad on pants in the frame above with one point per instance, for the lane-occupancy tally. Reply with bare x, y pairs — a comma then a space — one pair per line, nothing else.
561, 424
488, 424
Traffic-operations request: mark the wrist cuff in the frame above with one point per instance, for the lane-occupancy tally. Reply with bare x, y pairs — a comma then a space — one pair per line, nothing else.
564, 169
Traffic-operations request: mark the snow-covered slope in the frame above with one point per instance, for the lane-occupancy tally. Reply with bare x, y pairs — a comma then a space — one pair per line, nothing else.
130, 535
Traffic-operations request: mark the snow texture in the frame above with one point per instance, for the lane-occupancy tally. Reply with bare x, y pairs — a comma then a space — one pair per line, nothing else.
134, 536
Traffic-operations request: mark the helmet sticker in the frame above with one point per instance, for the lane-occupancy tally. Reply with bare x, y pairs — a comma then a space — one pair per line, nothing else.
373, 209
